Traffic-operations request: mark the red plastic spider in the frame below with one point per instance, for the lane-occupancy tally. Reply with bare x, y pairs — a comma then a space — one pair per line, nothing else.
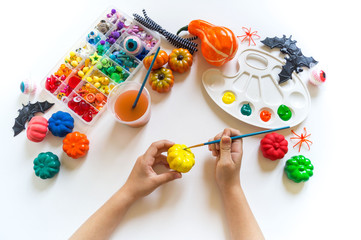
249, 36
302, 138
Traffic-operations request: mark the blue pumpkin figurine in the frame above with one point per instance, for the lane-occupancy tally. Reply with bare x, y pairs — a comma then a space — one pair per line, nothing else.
61, 123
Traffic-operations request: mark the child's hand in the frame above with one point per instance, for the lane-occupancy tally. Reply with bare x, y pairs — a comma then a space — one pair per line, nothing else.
143, 179
229, 158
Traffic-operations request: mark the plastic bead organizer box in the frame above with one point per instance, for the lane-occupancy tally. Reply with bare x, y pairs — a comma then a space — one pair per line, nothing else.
110, 53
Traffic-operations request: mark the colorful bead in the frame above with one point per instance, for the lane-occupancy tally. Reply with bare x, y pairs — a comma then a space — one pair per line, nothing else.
148, 41
27, 87
116, 73
81, 73
63, 71
93, 38
125, 61
73, 59
317, 76
52, 83
73, 81
112, 38
133, 45
103, 84
60, 95
94, 58
103, 26
82, 108
84, 51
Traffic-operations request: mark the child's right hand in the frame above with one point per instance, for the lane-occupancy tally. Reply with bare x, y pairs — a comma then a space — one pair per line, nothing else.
229, 158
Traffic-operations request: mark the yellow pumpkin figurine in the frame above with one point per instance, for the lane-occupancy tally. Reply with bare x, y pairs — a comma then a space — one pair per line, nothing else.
180, 158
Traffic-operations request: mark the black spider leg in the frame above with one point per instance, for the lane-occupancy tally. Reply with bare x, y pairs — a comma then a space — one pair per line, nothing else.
172, 38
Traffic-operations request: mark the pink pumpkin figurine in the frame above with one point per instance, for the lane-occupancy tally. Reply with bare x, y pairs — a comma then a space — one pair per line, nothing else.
37, 129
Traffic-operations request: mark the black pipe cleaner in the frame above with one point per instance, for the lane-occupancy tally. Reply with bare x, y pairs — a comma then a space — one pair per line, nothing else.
172, 38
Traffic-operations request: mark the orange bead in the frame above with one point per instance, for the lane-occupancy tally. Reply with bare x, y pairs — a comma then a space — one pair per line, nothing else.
99, 97
90, 97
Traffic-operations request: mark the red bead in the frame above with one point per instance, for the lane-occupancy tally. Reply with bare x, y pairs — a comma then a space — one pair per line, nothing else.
68, 90
72, 104
84, 106
88, 116
77, 109
73, 81
52, 83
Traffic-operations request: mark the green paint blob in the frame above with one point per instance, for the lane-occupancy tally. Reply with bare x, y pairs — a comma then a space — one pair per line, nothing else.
284, 112
246, 109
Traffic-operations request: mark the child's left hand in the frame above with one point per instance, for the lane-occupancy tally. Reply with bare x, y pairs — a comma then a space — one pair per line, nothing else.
143, 179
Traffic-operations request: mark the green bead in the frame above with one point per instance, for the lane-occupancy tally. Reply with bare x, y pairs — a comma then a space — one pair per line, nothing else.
110, 70
119, 69
116, 77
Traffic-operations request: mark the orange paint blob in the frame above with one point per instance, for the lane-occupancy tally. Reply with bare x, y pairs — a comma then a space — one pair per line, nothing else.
123, 106
265, 115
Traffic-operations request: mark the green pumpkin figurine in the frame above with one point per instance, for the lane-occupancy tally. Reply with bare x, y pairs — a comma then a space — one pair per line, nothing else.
299, 169
46, 165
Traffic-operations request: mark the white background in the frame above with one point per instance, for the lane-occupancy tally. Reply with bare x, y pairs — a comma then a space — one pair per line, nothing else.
36, 34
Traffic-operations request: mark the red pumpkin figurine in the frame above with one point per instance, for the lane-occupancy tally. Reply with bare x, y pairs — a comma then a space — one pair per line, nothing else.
37, 129
274, 146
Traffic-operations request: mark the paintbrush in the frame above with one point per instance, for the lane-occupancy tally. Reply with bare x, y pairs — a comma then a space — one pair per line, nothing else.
145, 79
239, 136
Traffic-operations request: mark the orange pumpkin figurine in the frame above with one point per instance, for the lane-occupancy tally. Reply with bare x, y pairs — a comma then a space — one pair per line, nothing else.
180, 60
37, 129
162, 58
219, 44
76, 145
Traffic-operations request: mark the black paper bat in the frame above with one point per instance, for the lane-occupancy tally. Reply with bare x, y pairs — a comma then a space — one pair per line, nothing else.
286, 72
27, 112
295, 60
287, 45
302, 61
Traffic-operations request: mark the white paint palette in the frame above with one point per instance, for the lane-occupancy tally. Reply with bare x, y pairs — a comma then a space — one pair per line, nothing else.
256, 84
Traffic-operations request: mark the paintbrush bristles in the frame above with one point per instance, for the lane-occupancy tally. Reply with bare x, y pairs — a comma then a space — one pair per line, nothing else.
198, 145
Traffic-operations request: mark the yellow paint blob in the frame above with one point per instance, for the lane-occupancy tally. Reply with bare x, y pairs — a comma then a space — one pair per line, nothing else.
228, 98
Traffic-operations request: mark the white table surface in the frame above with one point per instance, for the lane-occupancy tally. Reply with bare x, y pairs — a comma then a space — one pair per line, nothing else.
36, 34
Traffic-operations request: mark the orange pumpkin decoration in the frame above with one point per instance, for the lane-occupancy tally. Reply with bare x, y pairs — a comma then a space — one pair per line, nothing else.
180, 60
37, 129
161, 80
76, 145
162, 58
219, 44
